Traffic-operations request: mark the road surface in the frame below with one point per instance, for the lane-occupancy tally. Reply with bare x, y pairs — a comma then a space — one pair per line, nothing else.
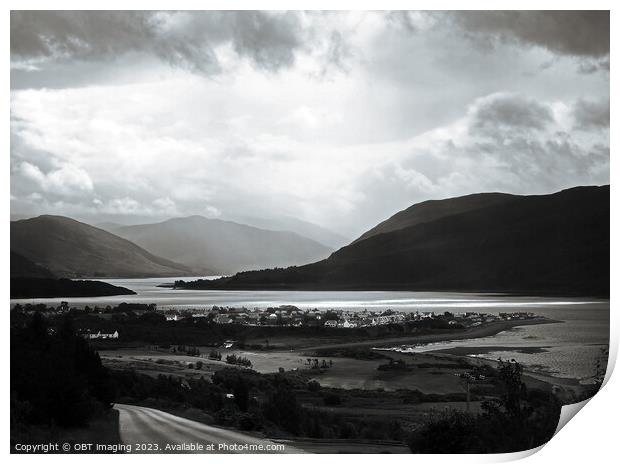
149, 430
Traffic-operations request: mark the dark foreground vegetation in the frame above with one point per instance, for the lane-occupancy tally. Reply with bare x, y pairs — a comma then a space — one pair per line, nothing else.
517, 419
59, 383
26, 287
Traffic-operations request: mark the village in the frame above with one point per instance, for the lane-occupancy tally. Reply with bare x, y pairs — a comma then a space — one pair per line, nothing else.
281, 316
292, 316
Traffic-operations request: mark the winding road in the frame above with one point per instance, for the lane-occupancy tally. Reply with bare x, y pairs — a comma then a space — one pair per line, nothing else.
149, 430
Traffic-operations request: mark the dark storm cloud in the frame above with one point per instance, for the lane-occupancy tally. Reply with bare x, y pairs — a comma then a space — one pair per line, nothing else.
180, 38
46, 33
111, 113
589, 114
269, 40
577, 33
509, 111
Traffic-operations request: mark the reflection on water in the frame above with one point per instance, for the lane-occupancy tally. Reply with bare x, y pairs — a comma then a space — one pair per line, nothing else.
571, 348
148, 292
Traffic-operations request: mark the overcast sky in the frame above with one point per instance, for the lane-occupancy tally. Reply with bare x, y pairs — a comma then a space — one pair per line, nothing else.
340, 119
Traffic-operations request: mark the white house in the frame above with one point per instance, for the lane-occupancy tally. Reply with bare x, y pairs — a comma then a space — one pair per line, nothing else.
223, 319
102, 336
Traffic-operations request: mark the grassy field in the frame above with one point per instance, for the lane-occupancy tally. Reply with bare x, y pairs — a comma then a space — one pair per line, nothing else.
353, 365
356, 382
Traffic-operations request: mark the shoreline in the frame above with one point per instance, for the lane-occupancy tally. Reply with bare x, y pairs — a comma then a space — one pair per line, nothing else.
486, 330
482, 350
531, 375
572, 388
218, 285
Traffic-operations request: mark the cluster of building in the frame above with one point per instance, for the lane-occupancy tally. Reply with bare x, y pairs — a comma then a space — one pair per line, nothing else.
285, 315
100, 335
292, 316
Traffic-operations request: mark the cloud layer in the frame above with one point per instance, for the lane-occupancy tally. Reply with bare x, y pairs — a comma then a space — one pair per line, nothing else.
576, 33
184, 39
336, 118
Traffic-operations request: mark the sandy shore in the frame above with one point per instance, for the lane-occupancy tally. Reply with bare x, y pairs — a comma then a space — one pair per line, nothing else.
570, 388
485, 330
478, 350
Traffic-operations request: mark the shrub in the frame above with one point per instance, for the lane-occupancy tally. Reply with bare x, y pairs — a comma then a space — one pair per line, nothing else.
56, 377
314, 386
331, 399
238, 360
214, 354
516, 421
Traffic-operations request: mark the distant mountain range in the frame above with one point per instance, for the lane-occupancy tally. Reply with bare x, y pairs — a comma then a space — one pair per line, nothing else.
68, 248
57, 246
215, 247
307, 229
556, 243
108, 226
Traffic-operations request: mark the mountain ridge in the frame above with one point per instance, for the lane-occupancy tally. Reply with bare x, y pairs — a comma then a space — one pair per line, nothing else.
557, 243
218, 246
70, 248
306, 229
431, 210
25, 268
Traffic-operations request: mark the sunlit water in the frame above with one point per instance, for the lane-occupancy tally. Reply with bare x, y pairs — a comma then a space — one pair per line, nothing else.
569, 349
